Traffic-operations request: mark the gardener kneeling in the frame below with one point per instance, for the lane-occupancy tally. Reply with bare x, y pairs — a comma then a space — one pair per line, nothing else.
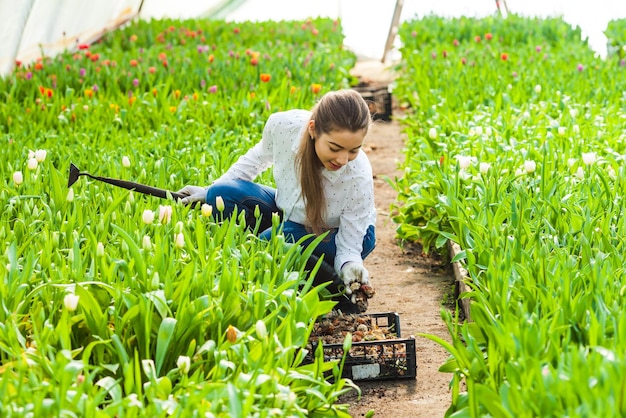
323, 178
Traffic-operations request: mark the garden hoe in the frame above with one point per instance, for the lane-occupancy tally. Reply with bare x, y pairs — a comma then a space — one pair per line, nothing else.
75, 173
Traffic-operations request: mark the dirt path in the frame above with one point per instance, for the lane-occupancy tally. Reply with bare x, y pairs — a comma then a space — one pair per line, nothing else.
407, 282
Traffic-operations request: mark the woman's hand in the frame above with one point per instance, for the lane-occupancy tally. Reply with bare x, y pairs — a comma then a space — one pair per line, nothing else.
193, 194
353, 272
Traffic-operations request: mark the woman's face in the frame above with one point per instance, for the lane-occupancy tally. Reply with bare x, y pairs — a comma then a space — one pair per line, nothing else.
337, 148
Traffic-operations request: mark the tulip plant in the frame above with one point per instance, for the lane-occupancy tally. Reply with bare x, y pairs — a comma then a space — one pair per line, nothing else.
118, 304
515, 151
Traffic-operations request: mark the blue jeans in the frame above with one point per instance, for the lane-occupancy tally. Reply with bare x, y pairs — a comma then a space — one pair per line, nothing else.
245, 196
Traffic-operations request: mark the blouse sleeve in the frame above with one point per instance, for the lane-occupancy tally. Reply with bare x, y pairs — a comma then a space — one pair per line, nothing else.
356, 218
258, 158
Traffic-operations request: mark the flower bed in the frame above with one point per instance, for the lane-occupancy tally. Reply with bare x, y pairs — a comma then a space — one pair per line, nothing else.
124, 304
515, 139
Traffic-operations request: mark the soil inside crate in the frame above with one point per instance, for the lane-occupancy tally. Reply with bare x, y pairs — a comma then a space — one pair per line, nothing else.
377, 351
333, 328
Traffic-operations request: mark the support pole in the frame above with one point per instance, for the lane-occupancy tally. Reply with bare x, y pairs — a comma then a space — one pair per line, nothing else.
504, 9
393, 29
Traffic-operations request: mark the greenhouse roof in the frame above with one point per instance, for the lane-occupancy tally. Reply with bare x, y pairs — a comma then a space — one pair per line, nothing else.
33, 27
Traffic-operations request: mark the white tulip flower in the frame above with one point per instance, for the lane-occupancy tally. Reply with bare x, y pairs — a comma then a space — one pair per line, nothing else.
580, 173
40, 155
126, 161
530, 166
179, 240
589, 158
484, 168
206, 210
147, 216
432, 133
146, 243
70, 301
538, 88
18, 178
32, 164
219, 203
70, 195
165, 214
561, 130
464, 161
261, 329
576, 129
184, 364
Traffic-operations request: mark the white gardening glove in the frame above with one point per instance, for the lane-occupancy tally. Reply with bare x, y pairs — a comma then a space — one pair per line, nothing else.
353, 272
193, 194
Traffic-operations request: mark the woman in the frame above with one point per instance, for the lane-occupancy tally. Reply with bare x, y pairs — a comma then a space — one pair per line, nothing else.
323, 181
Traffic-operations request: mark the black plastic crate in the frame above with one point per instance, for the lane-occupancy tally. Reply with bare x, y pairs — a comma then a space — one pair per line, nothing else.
392, 358
379, 101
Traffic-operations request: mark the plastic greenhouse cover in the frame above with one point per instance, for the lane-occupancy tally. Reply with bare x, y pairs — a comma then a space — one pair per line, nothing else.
31, 28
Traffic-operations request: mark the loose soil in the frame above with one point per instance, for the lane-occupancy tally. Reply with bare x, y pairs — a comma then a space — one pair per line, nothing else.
408, 282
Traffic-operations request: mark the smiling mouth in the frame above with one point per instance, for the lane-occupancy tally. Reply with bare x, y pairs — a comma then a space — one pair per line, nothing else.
334, 166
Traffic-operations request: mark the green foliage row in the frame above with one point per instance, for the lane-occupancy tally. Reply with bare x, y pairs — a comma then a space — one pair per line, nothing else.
516, 152
118, 96
616, 38
511, 32
116, 304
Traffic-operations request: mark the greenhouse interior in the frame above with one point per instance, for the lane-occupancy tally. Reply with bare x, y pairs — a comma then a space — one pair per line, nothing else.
267, 208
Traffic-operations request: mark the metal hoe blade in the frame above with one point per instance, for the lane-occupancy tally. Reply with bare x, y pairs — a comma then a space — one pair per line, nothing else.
75, 173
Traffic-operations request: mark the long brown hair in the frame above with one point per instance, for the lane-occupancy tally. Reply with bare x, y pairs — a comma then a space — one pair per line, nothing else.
336, 111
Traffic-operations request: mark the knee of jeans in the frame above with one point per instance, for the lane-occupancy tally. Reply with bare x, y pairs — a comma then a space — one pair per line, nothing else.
266, 235
367, 251
218, 189
369, 243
